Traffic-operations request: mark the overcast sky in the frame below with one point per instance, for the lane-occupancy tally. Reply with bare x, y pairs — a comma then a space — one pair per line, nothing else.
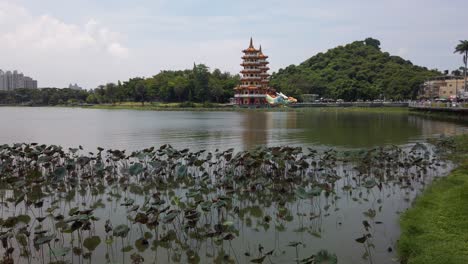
92, 42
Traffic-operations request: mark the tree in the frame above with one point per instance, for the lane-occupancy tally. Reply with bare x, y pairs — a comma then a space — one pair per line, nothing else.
111, 92
372, 42
462, 48
216, 89
121, 93
456, 73
201, 78
180, 86
141, 93
91, 99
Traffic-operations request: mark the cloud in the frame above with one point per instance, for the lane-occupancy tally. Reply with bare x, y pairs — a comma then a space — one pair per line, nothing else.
117, 50
47, 33
59, 42
35, 45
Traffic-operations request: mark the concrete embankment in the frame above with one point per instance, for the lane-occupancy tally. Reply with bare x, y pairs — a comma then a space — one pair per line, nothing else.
457, 110
350, 104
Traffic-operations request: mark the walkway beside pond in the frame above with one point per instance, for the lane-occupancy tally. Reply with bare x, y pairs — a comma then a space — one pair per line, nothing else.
440, 107
350, 104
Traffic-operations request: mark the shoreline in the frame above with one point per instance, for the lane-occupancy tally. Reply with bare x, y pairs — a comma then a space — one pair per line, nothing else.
435, 228
378, 109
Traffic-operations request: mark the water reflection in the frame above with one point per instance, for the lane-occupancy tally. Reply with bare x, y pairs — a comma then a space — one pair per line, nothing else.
356, 129
134, 130
434, 127
255, 127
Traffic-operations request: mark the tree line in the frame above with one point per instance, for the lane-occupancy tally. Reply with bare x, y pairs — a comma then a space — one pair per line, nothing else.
44, 96
356, 71
198, 84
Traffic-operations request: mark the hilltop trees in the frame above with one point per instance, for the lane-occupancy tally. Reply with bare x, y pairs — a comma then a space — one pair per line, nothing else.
359, 70
372, 42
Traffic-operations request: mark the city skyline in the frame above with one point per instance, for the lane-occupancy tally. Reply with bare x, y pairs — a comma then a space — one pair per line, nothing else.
95, 43
11, 80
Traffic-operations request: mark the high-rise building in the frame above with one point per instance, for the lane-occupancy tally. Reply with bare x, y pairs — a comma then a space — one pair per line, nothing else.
2, 81
10, 81
254, 78
14, 80
30, 83
74, 87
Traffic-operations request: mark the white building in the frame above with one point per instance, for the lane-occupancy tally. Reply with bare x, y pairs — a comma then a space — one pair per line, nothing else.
74, 87
14, 80
2, 81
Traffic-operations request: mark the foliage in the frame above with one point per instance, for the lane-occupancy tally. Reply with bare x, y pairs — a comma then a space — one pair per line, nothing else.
359, 70
462, 48
190, 200
45, 96
196, 85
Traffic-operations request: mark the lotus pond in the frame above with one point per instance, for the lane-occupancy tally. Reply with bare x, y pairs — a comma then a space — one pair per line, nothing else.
168, 205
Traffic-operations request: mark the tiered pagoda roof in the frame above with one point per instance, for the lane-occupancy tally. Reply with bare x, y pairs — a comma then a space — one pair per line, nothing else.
251, 48
254, 77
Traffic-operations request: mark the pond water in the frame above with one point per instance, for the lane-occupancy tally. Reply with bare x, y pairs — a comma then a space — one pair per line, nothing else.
337, 193
133, 130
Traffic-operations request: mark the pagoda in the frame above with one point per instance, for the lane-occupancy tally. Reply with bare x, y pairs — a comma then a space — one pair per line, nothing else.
254, 78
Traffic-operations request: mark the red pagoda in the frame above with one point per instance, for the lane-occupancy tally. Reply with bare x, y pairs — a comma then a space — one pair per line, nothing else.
254, 78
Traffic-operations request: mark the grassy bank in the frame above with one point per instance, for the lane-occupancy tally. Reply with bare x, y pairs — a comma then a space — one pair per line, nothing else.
179, 107
435, 229
202, 107
222, 107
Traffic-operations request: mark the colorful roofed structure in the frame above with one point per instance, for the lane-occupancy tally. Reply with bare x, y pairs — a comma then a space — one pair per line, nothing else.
254, 78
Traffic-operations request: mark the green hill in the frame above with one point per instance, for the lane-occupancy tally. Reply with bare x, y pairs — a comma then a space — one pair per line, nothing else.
359, 70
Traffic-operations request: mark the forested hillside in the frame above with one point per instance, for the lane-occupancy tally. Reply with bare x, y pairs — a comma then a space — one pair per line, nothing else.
359, 70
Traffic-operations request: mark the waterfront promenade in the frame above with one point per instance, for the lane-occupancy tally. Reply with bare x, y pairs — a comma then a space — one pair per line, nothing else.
350, 104
439, 107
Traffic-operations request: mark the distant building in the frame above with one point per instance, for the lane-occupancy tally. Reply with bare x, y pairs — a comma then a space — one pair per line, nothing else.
451, 88
30, 83
2, 81
14, 80
74, 87
444, 87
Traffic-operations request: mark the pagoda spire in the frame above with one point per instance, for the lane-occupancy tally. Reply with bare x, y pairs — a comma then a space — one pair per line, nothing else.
251, 43
260, 49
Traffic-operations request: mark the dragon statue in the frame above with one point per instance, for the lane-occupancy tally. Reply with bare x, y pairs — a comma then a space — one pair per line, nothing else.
279, 99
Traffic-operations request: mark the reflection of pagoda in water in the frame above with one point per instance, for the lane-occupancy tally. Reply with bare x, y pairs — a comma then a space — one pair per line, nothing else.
255, 128
254, 81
